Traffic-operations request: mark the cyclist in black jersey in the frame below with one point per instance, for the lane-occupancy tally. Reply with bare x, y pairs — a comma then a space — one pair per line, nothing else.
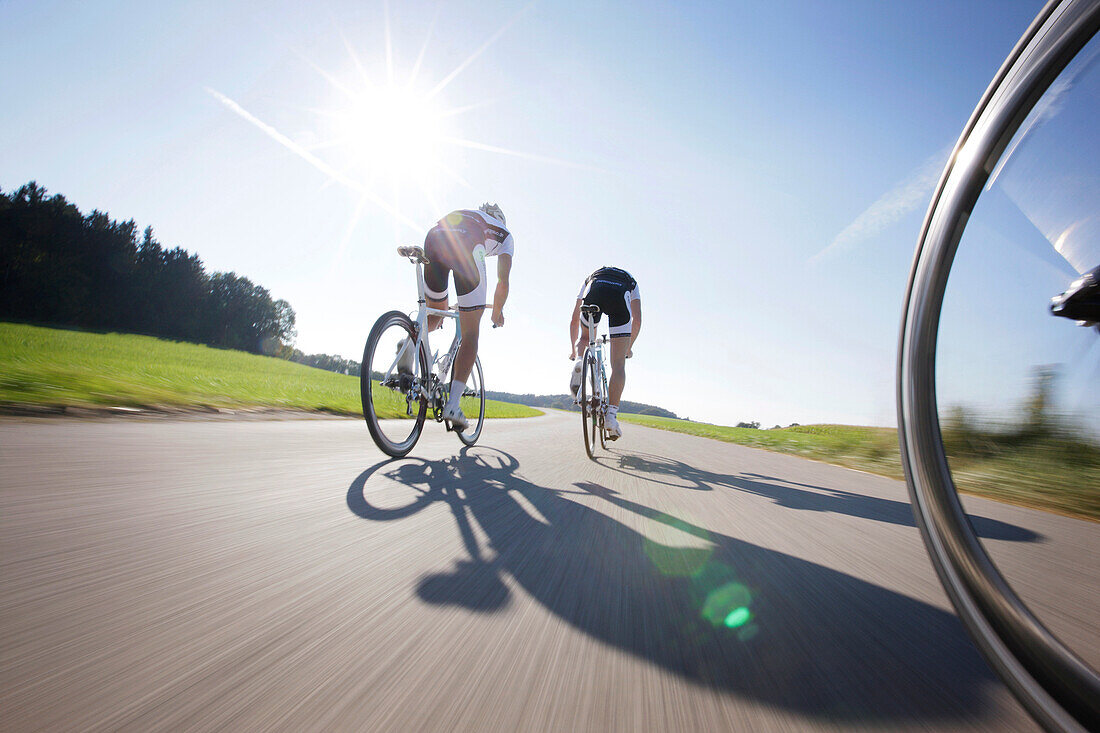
617, 295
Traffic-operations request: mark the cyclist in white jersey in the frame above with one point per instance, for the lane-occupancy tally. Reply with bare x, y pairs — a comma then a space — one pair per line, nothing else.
459, 244
617, 295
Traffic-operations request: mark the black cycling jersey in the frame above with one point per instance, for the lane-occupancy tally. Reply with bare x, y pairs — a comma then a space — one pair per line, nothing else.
613, 275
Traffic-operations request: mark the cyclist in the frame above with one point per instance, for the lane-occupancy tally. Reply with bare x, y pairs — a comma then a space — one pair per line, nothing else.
617, 295
459, 244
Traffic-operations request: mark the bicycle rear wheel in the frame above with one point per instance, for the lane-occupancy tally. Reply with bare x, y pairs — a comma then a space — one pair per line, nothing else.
393, 404
589, 405
472, 404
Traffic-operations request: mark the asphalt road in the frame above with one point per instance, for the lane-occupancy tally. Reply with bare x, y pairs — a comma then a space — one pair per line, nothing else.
279, 574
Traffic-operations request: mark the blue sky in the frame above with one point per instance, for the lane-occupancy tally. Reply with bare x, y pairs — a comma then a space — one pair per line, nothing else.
761, 168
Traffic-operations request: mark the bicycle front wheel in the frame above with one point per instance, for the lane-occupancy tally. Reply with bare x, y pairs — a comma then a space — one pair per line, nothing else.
589, 405
472, 404
390, 380
996, 394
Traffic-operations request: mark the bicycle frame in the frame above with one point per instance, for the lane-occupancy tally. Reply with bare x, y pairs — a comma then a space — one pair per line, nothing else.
416, 377
595, 348
416, 257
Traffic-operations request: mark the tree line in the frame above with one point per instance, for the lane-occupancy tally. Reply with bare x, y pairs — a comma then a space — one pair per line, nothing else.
565, 402
329, 362
61, 267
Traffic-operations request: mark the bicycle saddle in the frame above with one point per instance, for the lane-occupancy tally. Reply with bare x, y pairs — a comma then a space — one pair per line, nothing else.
590, 309
415, 254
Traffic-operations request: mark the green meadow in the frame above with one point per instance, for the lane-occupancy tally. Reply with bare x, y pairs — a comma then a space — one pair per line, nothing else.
46, 366
1046, 469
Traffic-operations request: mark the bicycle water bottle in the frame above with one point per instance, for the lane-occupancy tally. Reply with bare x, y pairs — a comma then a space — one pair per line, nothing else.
444, 365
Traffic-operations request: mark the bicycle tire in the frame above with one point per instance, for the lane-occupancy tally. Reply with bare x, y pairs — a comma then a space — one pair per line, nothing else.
1058, 689
469, 436
603, 414
367, 386
586, 409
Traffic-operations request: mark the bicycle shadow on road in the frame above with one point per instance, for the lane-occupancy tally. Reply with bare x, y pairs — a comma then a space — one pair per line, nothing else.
716, 610
808, 498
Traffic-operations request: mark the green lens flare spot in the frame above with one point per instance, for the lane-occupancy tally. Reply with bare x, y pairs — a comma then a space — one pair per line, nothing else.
738, 617
728, 605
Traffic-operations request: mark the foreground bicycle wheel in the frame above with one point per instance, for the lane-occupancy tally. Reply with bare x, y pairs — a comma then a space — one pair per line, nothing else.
393, 404
472, 404
589, 398
1011, 223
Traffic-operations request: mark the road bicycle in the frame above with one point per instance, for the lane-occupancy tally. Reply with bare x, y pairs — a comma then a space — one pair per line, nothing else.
592, 392
1032, 143
400, 380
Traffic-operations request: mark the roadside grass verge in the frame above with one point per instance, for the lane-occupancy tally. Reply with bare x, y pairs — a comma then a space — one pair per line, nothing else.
1050, 471
46, 366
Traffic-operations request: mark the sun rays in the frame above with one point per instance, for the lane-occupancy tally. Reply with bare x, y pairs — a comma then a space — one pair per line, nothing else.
392, 138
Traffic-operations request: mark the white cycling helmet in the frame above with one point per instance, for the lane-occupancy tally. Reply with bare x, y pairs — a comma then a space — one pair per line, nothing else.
493, 210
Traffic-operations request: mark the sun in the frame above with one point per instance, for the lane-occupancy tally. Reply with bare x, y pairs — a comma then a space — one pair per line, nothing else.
388, 141
392, 134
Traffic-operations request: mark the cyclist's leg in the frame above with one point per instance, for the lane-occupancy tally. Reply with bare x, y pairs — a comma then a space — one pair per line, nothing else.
446, 252
471, 288
621, 326
438, 248
615, 385
470, 322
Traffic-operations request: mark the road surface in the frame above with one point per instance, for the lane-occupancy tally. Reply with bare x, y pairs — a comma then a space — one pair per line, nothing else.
279, 574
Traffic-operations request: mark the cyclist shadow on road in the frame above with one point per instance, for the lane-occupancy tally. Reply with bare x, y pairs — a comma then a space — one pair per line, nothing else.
788, 494
719, 611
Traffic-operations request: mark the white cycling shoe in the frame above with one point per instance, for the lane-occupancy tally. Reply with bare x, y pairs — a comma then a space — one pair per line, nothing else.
612, 426
458, 420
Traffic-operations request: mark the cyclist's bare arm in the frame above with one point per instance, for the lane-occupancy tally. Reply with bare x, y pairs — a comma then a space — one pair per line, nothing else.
575, 330
636, 325
504, 270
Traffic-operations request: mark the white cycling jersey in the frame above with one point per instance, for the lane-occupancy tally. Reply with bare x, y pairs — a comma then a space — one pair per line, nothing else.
487, 230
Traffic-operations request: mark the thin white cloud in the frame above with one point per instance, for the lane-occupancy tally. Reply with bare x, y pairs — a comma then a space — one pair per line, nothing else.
890, 208
331, 173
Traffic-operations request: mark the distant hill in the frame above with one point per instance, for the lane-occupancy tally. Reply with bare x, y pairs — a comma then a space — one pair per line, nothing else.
565, 402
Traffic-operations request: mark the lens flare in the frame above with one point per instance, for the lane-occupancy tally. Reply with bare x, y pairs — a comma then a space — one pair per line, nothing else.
670, 559
738, 617
728, 606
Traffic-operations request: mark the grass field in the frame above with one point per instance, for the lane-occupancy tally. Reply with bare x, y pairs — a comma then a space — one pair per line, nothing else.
46, 366
1051, 472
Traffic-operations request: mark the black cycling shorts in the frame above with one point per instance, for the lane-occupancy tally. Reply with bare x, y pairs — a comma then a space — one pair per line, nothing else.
614, 300
450, 251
